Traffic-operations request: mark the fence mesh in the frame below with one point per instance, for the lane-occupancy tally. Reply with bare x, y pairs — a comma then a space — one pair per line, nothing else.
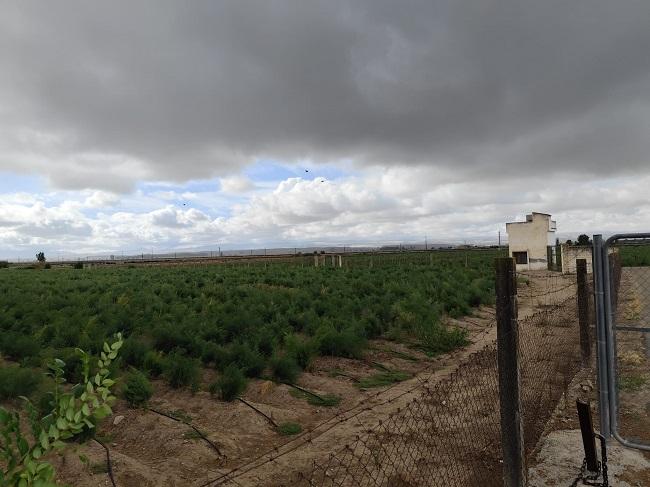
450, 434
629, 269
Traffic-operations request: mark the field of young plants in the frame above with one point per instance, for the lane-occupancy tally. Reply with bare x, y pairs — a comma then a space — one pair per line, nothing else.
246, 320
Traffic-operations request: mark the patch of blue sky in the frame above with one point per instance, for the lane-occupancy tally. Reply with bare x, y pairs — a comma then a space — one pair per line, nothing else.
193, 186
272, 171
11, 182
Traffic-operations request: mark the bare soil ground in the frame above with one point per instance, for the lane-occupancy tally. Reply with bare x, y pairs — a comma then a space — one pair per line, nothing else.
148, 449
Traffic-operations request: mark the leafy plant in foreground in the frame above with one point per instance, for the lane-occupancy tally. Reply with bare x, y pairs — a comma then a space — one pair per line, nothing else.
71, 416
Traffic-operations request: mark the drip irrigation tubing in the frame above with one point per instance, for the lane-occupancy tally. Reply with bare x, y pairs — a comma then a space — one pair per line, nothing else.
268, 418
109, 465
198, 432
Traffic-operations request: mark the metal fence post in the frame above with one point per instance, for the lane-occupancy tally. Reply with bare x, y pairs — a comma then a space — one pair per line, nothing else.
583, 311
514, 474
601, 336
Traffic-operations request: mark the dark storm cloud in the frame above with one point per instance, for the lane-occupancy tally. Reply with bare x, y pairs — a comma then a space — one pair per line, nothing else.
197, 89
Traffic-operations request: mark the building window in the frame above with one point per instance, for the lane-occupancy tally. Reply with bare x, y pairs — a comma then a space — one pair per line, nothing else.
520, 257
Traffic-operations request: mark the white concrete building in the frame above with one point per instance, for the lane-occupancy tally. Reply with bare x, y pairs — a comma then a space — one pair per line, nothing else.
532, 243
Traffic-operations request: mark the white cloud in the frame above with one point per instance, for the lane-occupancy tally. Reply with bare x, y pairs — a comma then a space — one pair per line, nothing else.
236, 184
374, 207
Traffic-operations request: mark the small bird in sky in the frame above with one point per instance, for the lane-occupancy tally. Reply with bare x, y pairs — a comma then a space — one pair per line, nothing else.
306, 170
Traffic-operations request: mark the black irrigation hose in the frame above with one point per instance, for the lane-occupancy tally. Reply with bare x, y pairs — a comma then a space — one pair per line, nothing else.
313, 394
109, 466
198, 432
268, 418
343, 374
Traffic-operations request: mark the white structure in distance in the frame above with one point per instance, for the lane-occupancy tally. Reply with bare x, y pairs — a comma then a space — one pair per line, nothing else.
532, 243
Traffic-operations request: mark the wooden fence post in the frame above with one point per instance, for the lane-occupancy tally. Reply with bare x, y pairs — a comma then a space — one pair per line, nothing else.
512, 443
583, 310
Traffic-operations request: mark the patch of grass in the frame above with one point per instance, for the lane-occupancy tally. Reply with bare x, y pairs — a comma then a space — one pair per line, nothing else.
632, 383
382, 379
340, 373
191, 434
435, 339
181, 414
288, 429
328, 400
402, 355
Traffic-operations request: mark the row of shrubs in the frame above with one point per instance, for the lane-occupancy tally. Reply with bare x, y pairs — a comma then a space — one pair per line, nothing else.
242, 321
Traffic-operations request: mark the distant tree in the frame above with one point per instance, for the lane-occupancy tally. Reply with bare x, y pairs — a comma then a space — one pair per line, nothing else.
40, 257
569, 242
583, 240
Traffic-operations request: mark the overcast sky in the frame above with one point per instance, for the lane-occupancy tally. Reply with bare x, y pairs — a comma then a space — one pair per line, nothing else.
131, 125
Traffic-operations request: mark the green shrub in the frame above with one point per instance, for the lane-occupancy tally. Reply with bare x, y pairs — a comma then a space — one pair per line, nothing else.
214, 354
17, 381
436, 339
302, 351
19, 346
4, 264
288, 429
230, 385
266, 343
134, 352
78, 265
137, 389
248, 360
345, 343
153, 363
284, 368
181, 371
73, 365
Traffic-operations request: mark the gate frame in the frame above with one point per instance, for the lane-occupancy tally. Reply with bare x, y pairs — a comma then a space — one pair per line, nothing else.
605, 327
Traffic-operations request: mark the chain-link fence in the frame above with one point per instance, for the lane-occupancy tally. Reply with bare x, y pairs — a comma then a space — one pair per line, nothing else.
451, 433
628, 262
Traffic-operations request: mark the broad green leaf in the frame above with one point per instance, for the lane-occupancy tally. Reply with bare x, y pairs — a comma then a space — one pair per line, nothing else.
106, 348
23, 447
37, 453
85, 410
53, 432
44, 440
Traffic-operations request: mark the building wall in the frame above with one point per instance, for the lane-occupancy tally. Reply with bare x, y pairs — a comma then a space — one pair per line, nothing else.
534, 237
572, 252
